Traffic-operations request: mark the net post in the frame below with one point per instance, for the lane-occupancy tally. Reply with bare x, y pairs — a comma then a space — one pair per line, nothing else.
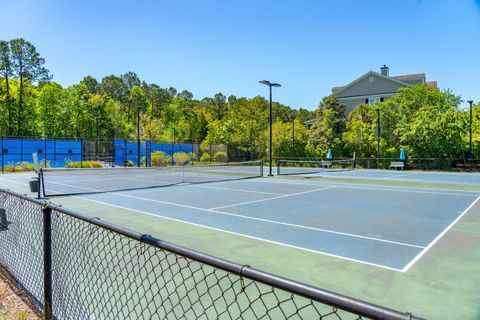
278, 167
41, 180
261, 169
47, 262
3, 165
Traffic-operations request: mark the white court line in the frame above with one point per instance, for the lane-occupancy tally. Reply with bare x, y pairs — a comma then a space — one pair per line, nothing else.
272, 198
400, 175
214, 210
252, 218
411, 263
234, 189
376, 187
271, 221
240, 234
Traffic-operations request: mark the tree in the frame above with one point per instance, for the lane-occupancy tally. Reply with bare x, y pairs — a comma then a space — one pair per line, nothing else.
49, 104
327, 131
91, 83
283, 144
6, 73
138, 102
186, 95
27, 65
359, 136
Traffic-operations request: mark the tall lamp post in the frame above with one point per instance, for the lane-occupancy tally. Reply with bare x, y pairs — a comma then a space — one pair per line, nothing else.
293, 135
471, 150
378, 137
138, 136
270, 85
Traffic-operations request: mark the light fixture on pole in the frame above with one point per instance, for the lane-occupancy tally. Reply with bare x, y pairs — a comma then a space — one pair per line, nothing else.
270, 85
378, 137
138, 136
471, 150
293, 135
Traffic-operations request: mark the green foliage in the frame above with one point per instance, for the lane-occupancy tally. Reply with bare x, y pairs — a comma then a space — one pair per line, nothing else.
158, 158
285, 144
220, 156
181, 158
19, 167
327, 131
205, 157
83, 164
425, 121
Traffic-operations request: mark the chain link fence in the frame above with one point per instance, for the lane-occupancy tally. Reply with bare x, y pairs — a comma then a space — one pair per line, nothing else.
75, 266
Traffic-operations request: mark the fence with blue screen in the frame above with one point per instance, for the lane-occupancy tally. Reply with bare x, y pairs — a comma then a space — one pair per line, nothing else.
126, 153
17, 152
170, 148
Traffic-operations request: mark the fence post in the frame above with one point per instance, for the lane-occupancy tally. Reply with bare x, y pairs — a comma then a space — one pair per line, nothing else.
21, 149
47, 262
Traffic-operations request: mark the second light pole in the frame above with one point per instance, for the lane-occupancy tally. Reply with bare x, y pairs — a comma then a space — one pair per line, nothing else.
378, 137
270, 85
471, 149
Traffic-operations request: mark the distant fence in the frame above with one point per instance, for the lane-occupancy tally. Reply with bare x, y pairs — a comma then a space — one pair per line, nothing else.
16, 152
449, 164
74, 266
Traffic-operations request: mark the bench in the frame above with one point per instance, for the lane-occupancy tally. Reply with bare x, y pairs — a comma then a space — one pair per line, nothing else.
396, 164
325, 164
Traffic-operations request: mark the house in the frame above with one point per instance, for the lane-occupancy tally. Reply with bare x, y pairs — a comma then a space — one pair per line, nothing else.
373, 87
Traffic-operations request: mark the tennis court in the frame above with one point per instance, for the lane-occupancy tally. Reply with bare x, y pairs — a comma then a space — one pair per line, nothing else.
386, 227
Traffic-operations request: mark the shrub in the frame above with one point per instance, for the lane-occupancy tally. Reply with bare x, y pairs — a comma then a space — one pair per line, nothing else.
205, 157
83, 164
19, 167
158, 158
181, 158
220, 156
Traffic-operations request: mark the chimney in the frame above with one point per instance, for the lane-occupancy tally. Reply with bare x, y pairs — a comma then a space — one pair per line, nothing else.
384, 70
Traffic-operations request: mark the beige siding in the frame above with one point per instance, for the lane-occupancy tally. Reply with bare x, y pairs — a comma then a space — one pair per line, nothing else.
351, 104
365, 88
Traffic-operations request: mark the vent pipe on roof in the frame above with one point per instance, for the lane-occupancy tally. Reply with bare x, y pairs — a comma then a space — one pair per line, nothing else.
384, 70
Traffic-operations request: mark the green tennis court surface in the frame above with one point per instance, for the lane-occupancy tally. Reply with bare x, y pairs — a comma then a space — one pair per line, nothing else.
407, 247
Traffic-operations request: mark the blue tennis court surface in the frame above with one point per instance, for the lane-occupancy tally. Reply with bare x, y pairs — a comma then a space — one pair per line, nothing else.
410, 175
389, 227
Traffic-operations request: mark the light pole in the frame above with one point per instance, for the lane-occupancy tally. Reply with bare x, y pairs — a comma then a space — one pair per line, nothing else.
293, 135
138, 136
270, 85
471, 150
378, 137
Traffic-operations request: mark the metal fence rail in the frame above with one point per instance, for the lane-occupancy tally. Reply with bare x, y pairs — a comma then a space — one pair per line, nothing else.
75, 266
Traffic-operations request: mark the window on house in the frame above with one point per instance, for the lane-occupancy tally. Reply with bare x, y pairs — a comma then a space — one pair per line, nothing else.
371, 79
373, 100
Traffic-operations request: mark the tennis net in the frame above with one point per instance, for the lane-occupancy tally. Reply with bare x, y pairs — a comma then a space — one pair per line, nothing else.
298, 167
77, 181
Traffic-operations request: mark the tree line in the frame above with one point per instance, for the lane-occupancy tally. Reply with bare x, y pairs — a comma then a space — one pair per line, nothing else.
425, 121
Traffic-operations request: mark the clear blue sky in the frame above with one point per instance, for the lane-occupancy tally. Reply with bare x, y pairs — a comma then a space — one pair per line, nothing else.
227, 46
